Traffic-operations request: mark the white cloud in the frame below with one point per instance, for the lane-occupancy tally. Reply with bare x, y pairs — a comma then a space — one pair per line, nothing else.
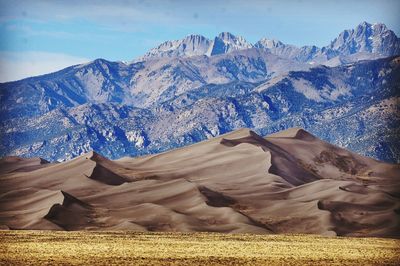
19, 65
117, 15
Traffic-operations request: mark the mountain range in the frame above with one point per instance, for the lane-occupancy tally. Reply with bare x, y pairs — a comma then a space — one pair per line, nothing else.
366, 41
240, 182
189, 90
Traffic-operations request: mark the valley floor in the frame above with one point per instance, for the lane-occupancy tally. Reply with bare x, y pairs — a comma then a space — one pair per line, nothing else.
132, 248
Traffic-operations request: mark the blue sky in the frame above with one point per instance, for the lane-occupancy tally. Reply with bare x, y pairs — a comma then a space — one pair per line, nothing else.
40, 36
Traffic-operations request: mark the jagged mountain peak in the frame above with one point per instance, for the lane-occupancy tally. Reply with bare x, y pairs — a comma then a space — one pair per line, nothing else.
195, 36
196, 44
194, 39
226, 42
366, 37
364, 24
189, 38
375, 26
380, 27
369, 28
225, 35
191, 45
268, 43
231, 38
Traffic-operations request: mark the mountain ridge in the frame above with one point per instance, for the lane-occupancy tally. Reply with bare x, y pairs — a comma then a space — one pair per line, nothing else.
303, 98
371, 38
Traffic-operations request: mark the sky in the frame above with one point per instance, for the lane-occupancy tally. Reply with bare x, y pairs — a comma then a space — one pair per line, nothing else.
42, 36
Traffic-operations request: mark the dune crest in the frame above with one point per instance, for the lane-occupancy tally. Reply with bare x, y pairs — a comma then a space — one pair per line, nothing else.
296, 132
106, 176
70, 214
288, 182
13, 163
102, 170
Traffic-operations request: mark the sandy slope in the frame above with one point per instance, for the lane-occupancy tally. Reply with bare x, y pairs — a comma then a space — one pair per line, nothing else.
289, 182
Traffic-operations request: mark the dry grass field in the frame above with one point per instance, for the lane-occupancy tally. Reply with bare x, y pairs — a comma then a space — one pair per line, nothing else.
116, 248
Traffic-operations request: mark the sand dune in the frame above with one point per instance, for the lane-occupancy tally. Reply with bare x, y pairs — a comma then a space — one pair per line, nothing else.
13, 164
288, 182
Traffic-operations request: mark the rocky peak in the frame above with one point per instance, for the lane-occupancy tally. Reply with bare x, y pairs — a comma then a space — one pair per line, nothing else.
226, 42
366, 37
268, 43
191, 45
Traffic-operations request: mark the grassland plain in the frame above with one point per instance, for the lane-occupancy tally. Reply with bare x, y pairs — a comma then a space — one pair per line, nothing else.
132, 248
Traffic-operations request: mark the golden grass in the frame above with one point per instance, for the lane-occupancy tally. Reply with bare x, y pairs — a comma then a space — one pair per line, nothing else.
131, 248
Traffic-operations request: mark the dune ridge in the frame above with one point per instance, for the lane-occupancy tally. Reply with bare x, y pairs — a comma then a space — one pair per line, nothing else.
240, 182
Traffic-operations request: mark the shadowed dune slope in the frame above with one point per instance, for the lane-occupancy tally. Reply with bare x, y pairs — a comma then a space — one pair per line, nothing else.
288, 182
